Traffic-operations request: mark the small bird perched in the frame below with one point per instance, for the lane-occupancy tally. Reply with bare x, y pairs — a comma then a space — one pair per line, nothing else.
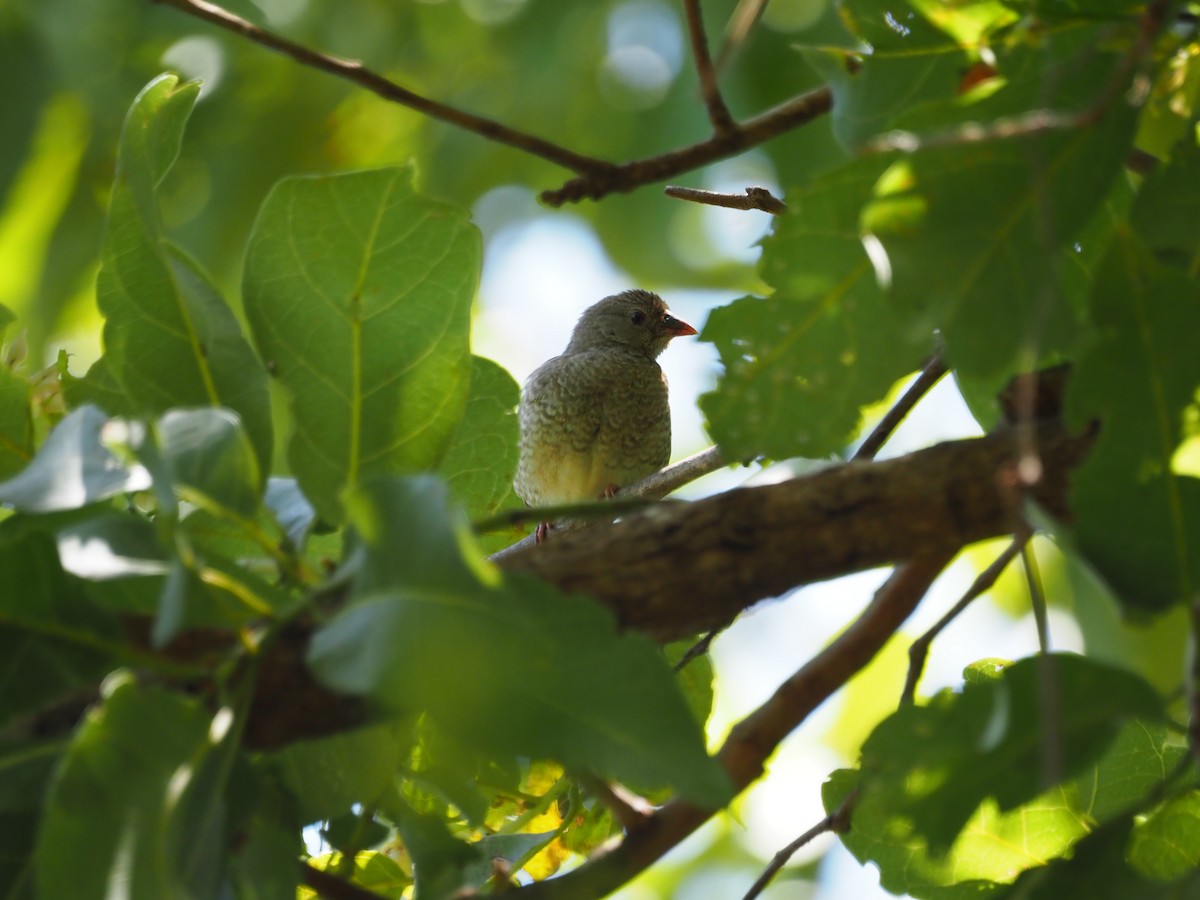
596, 417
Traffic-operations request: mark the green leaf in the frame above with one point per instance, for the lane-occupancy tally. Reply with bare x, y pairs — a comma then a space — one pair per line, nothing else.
290, 507
1136, 499
209, 454
73, 468
441, 862
532, 672
358, 291
25, 772
935, 764
1143, 757
170, 340
910, 61
997, 215
113, 793
52, 640
1097, 869
1167, 845
16, 422
331, 774
800, 363
481, 458
1167, 213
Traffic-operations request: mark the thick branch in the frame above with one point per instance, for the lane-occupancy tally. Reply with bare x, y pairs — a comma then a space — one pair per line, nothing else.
683, 569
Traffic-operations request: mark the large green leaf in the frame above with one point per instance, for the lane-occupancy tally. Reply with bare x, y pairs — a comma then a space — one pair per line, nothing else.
973, 232
508, 667
1166, 845
25, 771
1136, 498
169, 338
16, 423
358, 291
116, 789
911, 61
481, 459
934, 765
800, 363
52, 640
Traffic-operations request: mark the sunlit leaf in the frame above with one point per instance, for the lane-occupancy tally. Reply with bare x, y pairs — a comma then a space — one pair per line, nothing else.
552, 676
359, 291
170, 340
1167, 845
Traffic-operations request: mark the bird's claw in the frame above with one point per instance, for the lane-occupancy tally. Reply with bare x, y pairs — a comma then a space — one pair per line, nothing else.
609, 492
540, 533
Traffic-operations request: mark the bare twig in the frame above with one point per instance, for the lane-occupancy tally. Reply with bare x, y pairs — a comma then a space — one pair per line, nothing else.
718, 112
389, 90
919, 651
627, 176
645, 492
697, 649
930, 375
754, 198
755, 738
837, 822
1051, 707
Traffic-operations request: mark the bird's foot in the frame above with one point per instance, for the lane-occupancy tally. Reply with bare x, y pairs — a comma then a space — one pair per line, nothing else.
541, 532
609, 492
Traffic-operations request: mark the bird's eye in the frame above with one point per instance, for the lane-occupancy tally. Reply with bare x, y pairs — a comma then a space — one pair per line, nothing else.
637, 317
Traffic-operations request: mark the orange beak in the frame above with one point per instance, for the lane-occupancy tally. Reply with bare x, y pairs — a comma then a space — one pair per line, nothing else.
676, 327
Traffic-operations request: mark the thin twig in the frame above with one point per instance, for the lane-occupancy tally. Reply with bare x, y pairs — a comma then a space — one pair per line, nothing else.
697, 649
836, 822
919, 651
582, 512
389, 90
1051, 707
625, 177
718, 112
754, 198
641, 494
930, 375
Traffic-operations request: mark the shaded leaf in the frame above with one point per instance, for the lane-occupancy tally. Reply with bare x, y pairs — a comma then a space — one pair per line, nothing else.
170, 340
73, 468
208, 453
291, 508
549, 676
1137, 514
481, 458
1167, 845
113, 792
358, 291
800, 363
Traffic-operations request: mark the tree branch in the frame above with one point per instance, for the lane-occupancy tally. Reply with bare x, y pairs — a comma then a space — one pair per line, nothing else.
596, 177
837, 822
627, 176
330, 887
682, 569
389, 90
754, 198
930, 375
755, 738
718, 112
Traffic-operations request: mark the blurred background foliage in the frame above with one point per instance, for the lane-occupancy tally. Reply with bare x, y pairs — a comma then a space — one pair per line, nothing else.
612, 80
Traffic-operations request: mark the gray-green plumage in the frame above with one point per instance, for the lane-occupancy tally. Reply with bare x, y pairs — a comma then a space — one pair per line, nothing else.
597, 416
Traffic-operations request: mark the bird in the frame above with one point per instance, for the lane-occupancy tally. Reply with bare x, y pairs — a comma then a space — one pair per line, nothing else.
596, 417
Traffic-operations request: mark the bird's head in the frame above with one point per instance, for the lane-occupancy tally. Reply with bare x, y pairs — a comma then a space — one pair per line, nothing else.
635, 320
